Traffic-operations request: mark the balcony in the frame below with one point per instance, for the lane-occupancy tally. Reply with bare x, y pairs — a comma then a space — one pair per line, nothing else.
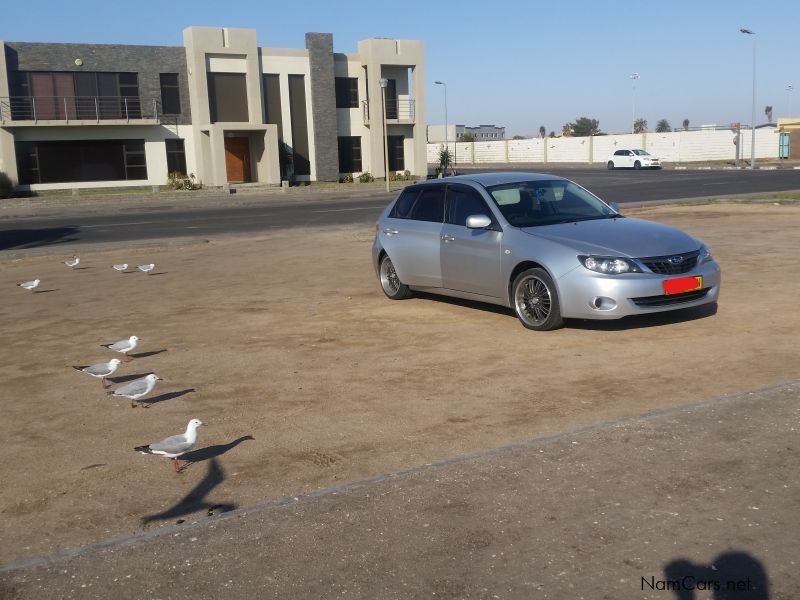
78, 110
398, 111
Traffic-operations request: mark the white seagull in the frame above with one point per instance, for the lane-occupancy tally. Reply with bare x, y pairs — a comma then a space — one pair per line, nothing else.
136, 388
72, 262
30, 285
120, 267
146, 268
175, 445
101, 370
123, 346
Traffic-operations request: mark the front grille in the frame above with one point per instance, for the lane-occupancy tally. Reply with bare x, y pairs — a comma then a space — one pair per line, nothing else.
671, 299
670, 265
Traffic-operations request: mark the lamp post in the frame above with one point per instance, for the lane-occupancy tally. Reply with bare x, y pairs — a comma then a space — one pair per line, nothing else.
634, 77
790, 89
446, 128
753, 115
384, 82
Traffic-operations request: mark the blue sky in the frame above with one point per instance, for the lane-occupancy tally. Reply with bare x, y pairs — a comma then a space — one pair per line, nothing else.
518, 64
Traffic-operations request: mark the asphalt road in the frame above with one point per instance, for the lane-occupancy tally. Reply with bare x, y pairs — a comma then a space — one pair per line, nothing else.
155, 223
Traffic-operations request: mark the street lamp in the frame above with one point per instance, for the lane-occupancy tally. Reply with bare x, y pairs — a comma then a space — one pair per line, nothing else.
446, 128
753, 115
634, 77
790, 89
384, 82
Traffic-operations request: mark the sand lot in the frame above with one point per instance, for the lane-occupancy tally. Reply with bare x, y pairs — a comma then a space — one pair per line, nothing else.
287, 338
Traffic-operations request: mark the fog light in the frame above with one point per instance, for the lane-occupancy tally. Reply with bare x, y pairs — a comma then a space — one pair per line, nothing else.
603, 303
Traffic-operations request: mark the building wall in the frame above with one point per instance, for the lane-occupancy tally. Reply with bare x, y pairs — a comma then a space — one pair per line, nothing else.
323, 106
677, 146
148, 61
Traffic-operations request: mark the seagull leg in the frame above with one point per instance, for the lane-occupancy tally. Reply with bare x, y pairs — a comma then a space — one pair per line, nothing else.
134, 404
176, 465
127, 358
106, 383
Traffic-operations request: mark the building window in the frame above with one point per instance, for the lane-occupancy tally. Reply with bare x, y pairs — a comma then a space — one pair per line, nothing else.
81, 160
396, 154
227, 97
272, 102
299, 124
176, 156
170, 94
350, 154
346, 92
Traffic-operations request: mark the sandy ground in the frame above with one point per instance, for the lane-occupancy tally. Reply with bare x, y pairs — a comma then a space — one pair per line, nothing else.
288, 339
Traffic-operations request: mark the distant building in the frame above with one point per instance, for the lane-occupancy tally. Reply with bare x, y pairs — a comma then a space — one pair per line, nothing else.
481, 133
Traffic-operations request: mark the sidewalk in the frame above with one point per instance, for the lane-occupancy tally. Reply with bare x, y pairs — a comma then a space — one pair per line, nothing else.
702, 496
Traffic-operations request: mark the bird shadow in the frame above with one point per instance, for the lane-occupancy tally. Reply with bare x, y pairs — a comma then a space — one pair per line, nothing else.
81, 268
195, 500
210, 452
125, 378
159, 273
146, 354
167, 396
45, 291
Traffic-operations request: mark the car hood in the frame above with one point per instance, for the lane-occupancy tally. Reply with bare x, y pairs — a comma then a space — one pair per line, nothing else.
633, 238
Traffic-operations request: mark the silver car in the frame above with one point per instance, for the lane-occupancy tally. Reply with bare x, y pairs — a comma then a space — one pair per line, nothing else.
539, 244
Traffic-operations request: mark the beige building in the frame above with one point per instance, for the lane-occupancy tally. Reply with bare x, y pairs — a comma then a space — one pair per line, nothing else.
220, 107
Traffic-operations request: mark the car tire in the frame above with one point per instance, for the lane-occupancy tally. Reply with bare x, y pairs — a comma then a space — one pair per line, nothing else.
390, 282
535, 300
610, 165
637, 165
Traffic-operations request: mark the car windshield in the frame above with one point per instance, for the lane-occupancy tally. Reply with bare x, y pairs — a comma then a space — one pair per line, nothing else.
547, 202
641, 153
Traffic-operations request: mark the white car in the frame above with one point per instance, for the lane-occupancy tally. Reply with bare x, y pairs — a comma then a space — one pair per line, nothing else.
632, 159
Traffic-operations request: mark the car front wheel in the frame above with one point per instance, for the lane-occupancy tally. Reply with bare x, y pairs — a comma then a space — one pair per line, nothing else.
536, 300
390, 282
610, 165
637, 165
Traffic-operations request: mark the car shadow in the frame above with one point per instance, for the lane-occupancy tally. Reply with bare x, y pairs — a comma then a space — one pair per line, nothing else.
165, 397
195, 500
35, 238
660, 319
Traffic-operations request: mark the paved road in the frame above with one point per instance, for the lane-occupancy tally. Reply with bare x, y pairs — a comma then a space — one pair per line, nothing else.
152, 223
702, 497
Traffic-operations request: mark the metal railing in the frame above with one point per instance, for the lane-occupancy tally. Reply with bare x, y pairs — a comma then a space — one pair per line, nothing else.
397, 109
78, 108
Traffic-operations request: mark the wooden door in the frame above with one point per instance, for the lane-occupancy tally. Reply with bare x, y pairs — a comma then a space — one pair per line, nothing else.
237, 159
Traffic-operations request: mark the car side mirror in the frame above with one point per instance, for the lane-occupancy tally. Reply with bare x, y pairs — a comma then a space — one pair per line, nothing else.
478, 222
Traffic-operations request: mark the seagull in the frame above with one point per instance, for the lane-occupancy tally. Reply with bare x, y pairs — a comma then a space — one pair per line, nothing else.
101, 370
72, 262
123, 346
120, 267
175, 445
30, 285
146, 268
136, 388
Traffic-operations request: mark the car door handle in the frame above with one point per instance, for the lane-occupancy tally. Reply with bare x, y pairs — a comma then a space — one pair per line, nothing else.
390, 231
448, 238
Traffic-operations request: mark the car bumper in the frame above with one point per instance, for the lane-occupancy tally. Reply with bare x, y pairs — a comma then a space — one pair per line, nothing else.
587, 295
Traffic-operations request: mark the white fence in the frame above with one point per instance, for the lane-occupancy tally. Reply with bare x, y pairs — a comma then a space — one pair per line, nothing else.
675, 146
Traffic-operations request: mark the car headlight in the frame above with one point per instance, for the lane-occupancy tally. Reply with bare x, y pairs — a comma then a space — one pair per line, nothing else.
612, 265
705, 255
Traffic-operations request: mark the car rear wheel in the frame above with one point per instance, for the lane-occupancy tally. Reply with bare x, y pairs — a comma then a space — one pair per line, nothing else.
536, 300
610, 165
637, 165
390, 282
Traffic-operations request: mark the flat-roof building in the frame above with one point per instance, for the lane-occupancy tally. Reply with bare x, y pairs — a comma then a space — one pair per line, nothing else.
220, 107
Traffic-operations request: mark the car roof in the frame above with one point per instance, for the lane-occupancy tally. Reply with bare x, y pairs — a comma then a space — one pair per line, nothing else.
498, 178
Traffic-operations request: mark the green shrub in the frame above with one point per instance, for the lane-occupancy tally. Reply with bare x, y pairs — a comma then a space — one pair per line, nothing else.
347, 178
179, 181
407, 175
6, 189
394, 176
366, 177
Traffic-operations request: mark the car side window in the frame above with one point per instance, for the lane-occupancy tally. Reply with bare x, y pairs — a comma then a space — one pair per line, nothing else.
404, 204
462, 203
429, 205
619, 152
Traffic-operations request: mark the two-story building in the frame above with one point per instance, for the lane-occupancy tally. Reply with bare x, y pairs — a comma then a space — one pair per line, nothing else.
220, 107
